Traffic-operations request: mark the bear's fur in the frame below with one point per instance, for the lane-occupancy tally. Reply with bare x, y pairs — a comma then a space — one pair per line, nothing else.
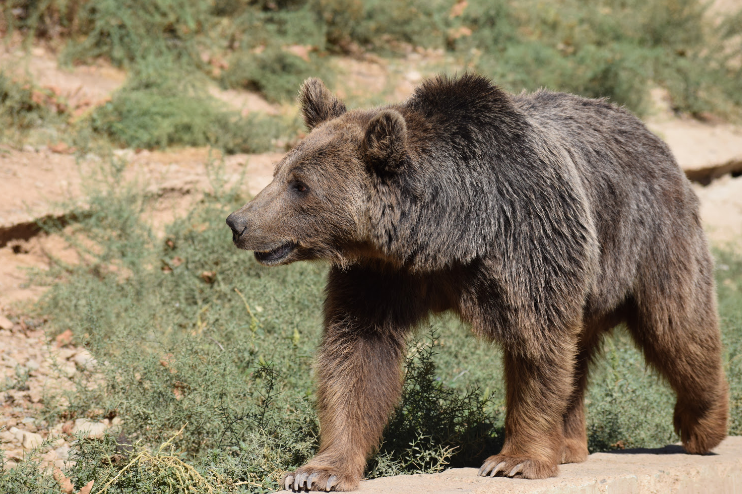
543, 220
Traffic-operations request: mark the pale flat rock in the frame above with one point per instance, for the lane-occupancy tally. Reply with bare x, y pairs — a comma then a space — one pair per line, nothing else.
89, 429
721, 209
5, 323
665, 470
29, 440
697, 145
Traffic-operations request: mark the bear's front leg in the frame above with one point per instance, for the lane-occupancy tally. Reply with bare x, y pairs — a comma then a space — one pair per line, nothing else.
360, 382
538, 391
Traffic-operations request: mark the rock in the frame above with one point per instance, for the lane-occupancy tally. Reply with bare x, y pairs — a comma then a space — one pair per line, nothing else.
66, 353
9, 464
5, 323
94, 430
35, 395
27, 148
639, 471
64, 338
84, 360
116, 421
69, 370
49, 456
65, 484
63, 452
68, 427
7, 437
14, 454
31, 440
32, 365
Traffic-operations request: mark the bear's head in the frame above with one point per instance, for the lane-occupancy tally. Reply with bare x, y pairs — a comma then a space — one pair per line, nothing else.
318, 205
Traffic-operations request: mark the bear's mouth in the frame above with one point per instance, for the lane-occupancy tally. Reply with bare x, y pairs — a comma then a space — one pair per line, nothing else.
275, 256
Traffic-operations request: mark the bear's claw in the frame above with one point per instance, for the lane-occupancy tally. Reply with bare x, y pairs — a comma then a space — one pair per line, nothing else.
507, 466
313, 481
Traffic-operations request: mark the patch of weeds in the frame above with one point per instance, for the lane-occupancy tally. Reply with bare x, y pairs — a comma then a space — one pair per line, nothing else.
24, 107
39, 19
435, 426
127, 32
382, 25
161, 109
20, 382
27, 475
611, 48
274, 72
729, 288
627, 405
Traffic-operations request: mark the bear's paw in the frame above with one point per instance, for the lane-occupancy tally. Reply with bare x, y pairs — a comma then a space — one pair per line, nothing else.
309, 478
517, 466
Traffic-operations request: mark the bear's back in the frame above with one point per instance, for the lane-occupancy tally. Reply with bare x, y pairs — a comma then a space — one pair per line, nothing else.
642, 204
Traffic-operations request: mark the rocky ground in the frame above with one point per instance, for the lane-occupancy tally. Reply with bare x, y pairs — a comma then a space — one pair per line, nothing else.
47, 181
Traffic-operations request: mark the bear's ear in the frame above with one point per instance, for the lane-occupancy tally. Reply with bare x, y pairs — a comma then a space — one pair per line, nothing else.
318, 104
385, 143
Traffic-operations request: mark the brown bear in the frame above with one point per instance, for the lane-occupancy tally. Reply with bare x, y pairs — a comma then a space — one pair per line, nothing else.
543, 220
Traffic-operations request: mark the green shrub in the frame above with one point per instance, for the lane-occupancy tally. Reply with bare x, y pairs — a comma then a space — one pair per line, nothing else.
160, 110
613, 48
435, 426
274, 72
128, 32
24, 107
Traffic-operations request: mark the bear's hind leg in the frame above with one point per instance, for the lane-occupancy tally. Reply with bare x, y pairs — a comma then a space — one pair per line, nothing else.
682, 341
575, 434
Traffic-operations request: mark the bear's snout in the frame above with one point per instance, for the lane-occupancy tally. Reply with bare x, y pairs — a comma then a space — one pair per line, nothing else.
238, 224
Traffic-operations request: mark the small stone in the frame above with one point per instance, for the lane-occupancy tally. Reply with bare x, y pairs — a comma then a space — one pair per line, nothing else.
32, 365
414, 76
49, 456
68, 370
64, 338
116, 421
27, 148
9, 464
84, 360
65, 484
7, 437
93, 430
61, 148
66, 353
35, 395
63, 452
14, 454
68, 427
31, 440
5, 323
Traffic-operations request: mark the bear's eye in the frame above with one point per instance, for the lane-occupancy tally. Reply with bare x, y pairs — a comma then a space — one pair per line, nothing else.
299, 187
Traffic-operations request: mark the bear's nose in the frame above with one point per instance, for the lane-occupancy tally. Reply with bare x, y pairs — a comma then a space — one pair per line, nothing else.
237, 223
